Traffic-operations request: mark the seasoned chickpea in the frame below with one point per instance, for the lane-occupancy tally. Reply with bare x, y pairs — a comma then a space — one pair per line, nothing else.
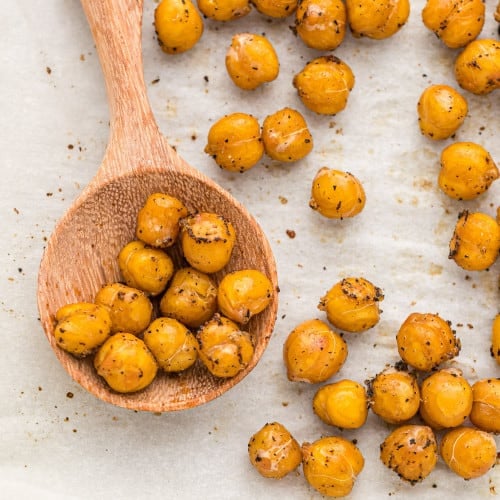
468, 452
223, 348
313, 353
178, 25
224, 10
331, 465
495, 339
336, 194
343, 404
324, 85
158, 220
485, 413
207, 241
441, 110
497, 13
477, 67
148, 269
81, 327
251, 61
129, 308
321, 24
174, 347
273, 451
285, 136
446, 399
244, 293
454, 22
235, 142
475, 243
394, 395
377, 19
425, 340
352, 304
410, 451
125, 363
276, 8
191, 297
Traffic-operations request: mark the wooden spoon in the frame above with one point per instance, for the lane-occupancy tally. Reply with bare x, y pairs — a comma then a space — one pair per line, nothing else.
81, 254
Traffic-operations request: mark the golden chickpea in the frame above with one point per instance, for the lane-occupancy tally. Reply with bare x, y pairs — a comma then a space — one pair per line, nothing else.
178, 25
125, 363
191, 297
485, 413
343, 404
321, 24
336, 194
285, 136
251, 61
235, 142
224, 10
446, 399
394, 395
207, 241
273, 451
324, 85
352, 304
331, 465
174, 347
313, 353
495, 339
426, 340
223, 348
467, 170
468, 452
441, 110
158, 220
477, 67
276, 8
130, 309
377, 19
497, 13
81, 327
244, 293
410, 451
454, 22
475, 243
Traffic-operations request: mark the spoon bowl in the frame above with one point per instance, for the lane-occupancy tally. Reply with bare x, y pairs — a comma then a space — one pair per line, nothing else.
81, 254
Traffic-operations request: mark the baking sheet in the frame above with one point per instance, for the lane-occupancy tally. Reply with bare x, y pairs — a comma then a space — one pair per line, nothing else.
57, 441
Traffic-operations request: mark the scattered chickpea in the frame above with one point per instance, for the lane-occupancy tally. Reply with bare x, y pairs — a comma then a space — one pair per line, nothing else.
276, 8
224, 10
485, 413
495, 339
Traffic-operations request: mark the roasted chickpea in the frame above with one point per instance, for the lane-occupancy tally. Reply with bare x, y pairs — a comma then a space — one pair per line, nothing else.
352, 304
125, 363
224, 10
129, 308
174, 347
485, 413
148, 269
273, 451
251, 61
475, 243
495, 339
276, 8
454, 22
285, 136
410, 451
426, 340
336, 194
343, 404
81, 327
467, 170
223, 348
331, 465
324, 84
477, 67
158, 220
207, 241
394, 395
377, 19
178, 25
446, 399
497, 13
441, 110
313, 353
235, 142
191, 297
321, 24
468, 452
